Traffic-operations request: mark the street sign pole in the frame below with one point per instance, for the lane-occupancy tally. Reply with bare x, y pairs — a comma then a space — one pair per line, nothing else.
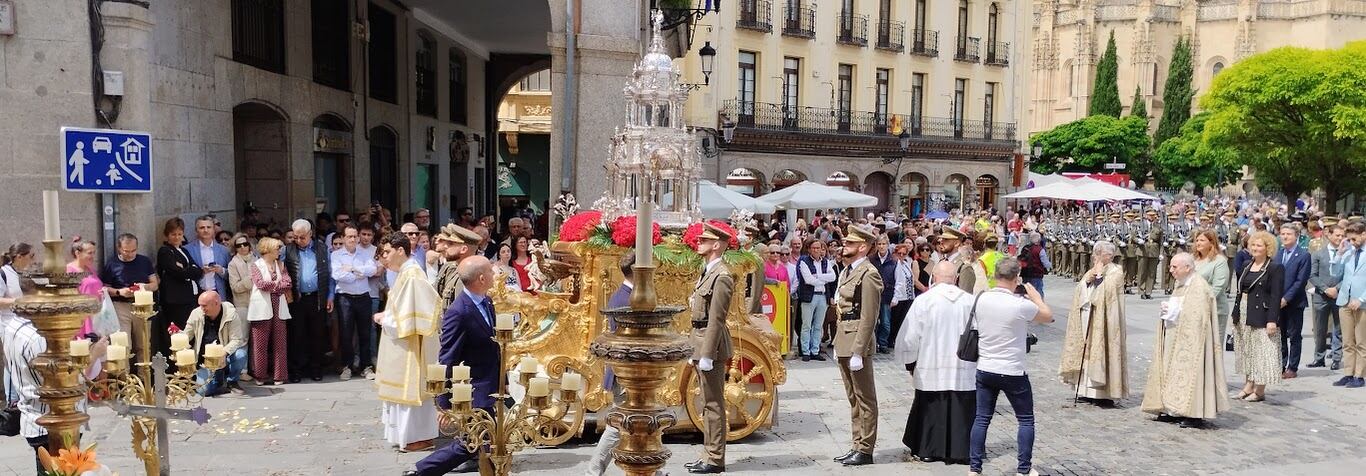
108, 209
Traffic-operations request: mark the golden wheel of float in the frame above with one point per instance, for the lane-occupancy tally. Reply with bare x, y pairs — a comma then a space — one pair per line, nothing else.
750, 391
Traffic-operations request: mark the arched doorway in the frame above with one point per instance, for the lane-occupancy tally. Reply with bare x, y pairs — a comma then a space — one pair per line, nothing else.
384, 166
842, 179
523, 140
913, 194
987, 191
955, 192
746, 180
332, 165
261, 158
879, 184
787, 178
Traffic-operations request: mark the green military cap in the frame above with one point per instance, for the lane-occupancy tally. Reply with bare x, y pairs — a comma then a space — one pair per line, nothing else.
1230, 213
712, 232
1150, 212
1130, 214
1172, 215
860, 234
1330, 221
459, 234
951, 234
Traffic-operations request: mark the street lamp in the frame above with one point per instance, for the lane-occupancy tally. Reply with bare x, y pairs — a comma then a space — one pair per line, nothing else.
905, 140
708, 55
1038, 151
728, 130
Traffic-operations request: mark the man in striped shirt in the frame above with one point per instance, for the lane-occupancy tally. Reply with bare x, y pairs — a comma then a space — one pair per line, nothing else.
22, 343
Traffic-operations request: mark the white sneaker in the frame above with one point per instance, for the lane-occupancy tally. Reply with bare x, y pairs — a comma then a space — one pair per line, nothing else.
346, 374
368, 373
1032, 472
974, 473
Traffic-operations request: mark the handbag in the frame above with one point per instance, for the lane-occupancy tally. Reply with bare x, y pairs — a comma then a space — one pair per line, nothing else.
967, 341
9, 416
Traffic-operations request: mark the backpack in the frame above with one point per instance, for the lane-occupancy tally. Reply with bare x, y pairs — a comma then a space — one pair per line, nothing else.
1031, 264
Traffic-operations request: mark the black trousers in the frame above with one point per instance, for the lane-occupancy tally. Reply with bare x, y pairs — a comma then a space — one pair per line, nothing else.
1292, 326
898, 316
308, 338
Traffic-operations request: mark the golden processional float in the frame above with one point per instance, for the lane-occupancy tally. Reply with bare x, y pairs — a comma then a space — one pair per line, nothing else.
653, 155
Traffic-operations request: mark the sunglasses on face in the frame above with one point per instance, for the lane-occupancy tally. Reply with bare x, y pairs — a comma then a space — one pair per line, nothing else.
242, 245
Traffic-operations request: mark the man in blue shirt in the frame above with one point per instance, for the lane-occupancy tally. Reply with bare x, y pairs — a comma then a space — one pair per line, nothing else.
310, 270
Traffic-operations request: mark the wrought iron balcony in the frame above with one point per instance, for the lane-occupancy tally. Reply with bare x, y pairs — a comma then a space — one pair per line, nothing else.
799, 22
968, 50
925, 43
853, 29
998, 53
768, 116
891, 35
755, 15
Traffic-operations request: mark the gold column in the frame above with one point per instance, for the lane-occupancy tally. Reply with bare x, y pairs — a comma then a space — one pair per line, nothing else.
57, 311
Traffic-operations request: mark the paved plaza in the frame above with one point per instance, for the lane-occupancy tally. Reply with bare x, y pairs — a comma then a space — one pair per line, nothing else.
1305, 427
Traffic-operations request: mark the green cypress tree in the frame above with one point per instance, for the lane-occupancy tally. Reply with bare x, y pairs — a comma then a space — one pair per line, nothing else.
1177, 96
1105, 95
1137, 109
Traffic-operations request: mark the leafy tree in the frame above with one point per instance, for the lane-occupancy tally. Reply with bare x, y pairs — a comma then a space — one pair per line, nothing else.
1138, 109
1188, 157
1105, 95
1297, 117
1087, 144
1177, 95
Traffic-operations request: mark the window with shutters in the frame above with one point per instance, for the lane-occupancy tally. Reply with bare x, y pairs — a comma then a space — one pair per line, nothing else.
258, 34
331, 44
383, 69
424, 75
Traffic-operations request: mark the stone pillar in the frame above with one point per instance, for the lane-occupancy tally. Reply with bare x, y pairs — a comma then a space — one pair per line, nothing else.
127, 48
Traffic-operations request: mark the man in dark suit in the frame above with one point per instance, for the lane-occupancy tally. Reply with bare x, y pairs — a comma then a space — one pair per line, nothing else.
310, 269
467, 336
1296, 262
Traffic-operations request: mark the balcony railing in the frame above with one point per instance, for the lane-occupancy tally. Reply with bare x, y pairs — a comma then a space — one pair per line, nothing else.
925, 43
799, 22
767, 116
998, 53
755, 15
853, 29
891, 35
968, 50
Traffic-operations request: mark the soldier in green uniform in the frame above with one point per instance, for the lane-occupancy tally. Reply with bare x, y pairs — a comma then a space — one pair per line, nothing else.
1171, 246
1150, 242
857, 301
460, 243
711, 346
1128, 235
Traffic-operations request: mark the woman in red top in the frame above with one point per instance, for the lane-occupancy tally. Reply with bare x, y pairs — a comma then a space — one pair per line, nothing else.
521, 259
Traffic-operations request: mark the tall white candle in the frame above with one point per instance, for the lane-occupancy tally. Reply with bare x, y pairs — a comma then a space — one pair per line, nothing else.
52, 228
644, 230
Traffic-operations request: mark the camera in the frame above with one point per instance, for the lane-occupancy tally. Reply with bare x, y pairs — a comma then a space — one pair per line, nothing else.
1030, 340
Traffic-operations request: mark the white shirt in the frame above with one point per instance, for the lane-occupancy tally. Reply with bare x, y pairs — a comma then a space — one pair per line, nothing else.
1002, 327
22, 343
824, 274
362, 265
1173, 306
375, 277
210, 280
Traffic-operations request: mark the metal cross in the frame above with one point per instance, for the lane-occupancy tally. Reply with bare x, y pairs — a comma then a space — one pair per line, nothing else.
161, 412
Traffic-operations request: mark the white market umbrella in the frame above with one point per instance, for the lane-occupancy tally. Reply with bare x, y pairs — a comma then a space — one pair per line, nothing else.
718, 202
808, 196
1063, 190
1106, 191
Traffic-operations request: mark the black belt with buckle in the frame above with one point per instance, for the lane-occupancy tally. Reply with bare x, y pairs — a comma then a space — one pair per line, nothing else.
699, 324
855, 318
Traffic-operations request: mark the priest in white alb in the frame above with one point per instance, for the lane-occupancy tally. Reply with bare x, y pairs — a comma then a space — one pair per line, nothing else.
939, 426
1186, 382
407, 344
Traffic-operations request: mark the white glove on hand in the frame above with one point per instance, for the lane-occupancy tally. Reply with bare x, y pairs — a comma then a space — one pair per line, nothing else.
855, 362
704, 364
692, 362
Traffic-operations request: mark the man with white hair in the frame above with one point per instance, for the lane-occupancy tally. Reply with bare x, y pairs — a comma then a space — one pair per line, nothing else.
308, 262
1186, 381
1093, 354
937, 428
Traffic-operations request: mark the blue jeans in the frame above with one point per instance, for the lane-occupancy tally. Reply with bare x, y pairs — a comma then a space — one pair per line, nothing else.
234, 363
884, 325
1021, 398
812, 319
1037, 283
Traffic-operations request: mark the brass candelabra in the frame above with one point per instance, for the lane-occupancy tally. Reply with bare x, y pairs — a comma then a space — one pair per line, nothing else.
508, 428
51, 301
145, 393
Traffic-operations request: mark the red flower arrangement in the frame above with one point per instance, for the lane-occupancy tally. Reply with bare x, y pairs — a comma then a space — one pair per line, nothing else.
580, 226
624, 232
690, 235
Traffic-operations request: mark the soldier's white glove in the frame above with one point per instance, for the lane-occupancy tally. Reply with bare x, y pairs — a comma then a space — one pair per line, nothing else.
856, 362
704, 364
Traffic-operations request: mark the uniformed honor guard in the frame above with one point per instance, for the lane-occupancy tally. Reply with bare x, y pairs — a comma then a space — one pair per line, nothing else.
711, 346
1171, 245
1129, 235
460, 243
1150, 242
1234, 241
856, 303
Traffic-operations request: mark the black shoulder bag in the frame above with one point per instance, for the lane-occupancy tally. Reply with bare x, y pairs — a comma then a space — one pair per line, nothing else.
967, 341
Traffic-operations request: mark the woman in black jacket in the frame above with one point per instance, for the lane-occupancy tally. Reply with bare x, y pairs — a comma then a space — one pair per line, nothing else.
179, 285
1256, 311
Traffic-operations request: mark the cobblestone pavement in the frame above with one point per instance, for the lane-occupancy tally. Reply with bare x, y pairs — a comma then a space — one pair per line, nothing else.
1305, 427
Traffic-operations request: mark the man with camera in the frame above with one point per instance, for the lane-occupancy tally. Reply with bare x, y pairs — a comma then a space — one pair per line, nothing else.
1002, 318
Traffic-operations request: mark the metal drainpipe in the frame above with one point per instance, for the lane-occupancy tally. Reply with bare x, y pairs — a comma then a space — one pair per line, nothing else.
570, 118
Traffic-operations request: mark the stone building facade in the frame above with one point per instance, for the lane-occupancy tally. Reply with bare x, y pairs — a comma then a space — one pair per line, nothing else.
1069, 36
819, 91
300, 106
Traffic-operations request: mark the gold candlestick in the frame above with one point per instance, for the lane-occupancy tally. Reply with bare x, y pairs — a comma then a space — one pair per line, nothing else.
57, 311
507, 429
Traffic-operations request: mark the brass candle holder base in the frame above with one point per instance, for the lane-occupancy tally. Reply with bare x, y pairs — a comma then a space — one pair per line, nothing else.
214, 363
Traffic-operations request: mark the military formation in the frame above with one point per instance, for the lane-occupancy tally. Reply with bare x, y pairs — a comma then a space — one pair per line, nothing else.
1146, 242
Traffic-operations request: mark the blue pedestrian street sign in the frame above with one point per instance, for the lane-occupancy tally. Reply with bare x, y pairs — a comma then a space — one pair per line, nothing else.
106, 161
